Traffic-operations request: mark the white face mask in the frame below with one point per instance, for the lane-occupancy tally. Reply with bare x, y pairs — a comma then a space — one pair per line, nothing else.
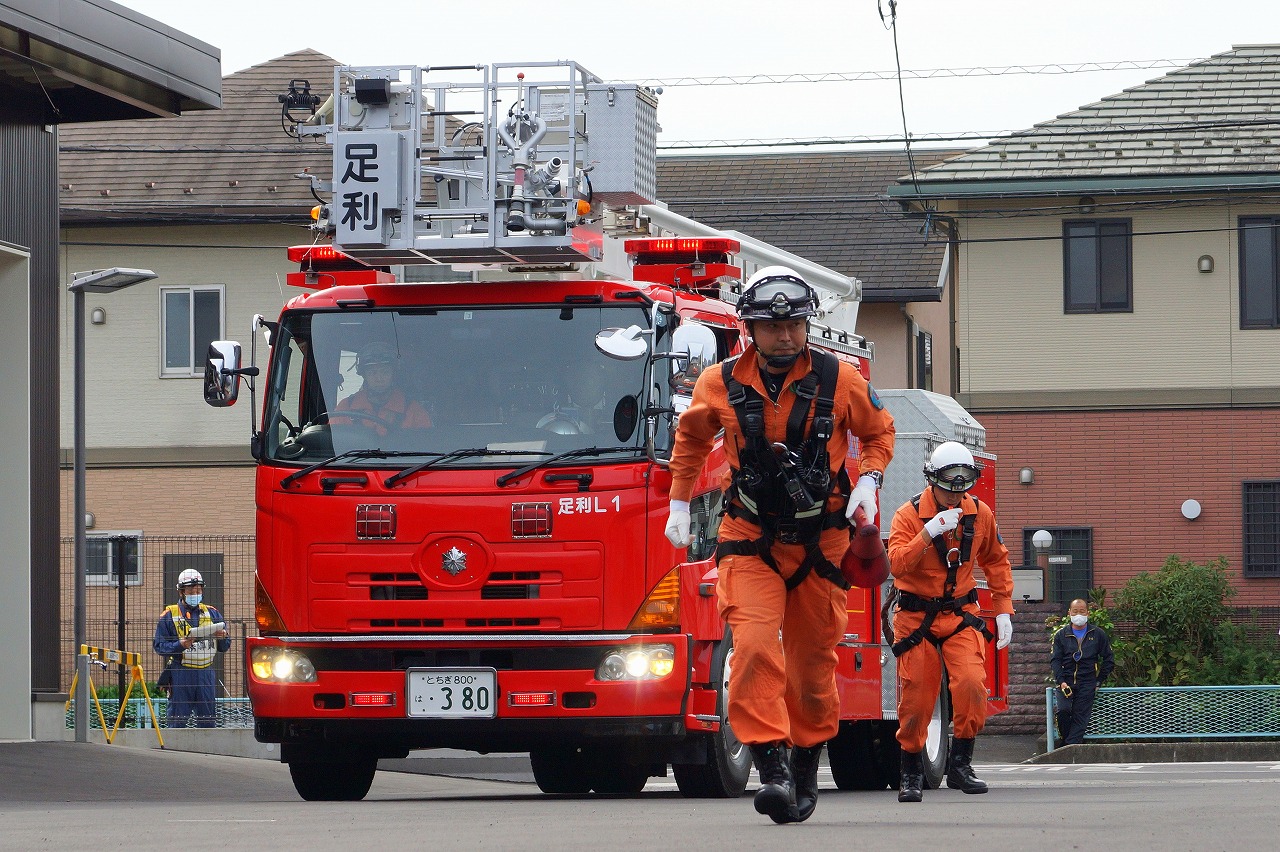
193, 600
1079, 620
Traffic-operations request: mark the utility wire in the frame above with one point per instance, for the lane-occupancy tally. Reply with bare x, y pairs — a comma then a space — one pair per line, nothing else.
902, 100
918, 74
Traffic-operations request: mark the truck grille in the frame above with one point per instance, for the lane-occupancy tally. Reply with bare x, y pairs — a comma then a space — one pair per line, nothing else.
396, 587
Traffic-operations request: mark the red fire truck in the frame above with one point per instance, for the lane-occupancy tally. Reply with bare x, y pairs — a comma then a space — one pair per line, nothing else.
461, 485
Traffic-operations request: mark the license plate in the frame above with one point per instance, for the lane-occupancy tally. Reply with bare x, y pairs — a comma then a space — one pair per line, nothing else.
452, 693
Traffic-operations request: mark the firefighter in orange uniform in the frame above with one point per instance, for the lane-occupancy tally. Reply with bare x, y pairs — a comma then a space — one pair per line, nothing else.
786, 410
380, 405
936, 540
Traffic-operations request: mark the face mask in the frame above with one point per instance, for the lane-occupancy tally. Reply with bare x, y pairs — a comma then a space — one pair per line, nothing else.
193, 600
1079, 620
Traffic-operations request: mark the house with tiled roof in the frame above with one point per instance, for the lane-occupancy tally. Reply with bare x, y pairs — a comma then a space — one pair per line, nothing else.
1118, 323
830, 207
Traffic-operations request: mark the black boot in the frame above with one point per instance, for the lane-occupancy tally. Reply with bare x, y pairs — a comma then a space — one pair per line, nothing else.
777, 794
804, 770
960, 770
912, 787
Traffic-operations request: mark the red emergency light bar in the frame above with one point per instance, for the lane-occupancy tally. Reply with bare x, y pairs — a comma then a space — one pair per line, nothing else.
682, 246
317, 254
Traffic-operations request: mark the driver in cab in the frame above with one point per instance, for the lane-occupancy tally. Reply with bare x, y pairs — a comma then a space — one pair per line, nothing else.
380, 405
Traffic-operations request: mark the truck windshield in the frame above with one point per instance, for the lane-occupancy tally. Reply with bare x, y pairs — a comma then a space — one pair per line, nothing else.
518, 381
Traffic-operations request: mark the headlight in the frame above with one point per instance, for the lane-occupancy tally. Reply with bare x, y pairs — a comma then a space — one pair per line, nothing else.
637, 662
281, 665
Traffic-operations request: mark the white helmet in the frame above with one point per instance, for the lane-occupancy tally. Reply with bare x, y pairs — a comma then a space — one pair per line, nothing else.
189, 577
951, 467
777, 293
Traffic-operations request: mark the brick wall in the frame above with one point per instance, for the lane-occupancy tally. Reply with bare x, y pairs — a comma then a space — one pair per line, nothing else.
1028, 671
1125, 475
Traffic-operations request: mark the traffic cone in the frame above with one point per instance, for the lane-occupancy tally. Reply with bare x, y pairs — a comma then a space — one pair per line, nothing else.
865, 563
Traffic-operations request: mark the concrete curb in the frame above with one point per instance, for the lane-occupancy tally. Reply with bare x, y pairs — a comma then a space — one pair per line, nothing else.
1161, 752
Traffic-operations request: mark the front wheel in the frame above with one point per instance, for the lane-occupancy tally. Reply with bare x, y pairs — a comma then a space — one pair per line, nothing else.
937, 742
561, 770
333, 781
727, 768
864, 755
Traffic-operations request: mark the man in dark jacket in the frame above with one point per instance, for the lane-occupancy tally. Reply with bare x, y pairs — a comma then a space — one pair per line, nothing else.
189, 635
1082, 660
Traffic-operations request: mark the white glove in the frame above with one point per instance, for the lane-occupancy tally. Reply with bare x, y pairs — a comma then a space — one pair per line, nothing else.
864, 495
947, 519
678, 524
1004, 630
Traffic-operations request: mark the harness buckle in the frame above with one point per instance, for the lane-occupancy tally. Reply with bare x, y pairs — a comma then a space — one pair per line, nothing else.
953, 556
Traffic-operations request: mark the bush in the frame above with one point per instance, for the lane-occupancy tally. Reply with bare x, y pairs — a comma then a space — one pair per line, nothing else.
1174, 628
1178, 630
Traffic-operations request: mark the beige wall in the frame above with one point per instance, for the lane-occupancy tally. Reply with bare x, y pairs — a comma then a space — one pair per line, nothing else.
1181, 345
127, 403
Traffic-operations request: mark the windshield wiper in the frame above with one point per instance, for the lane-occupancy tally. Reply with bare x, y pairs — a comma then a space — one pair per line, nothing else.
349, 454
581, 451
397, 478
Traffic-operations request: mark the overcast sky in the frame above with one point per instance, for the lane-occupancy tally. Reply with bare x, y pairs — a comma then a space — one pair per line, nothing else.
664, 40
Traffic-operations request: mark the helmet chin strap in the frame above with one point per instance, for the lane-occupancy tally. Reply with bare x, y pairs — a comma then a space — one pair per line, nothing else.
781, 360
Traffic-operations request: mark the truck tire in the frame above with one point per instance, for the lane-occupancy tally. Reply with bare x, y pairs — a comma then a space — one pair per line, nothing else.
727, 768
333, 780
851, 755
618, 779
561, 770
937, 743
887, 752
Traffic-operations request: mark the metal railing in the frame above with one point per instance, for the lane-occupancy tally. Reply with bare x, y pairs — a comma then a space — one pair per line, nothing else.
232, 713
1179, 712
125, 617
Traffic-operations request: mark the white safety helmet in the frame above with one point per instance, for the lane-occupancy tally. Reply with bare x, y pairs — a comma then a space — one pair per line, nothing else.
189, 577
951, 467
777, 293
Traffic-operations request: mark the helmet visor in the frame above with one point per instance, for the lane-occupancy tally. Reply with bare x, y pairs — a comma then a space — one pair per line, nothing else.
956, 477
780, 298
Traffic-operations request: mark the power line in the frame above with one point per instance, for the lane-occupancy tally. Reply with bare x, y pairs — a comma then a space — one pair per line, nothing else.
919, 74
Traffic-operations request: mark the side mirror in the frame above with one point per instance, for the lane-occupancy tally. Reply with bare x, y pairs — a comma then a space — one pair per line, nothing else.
693, 349
624, 344
222, 373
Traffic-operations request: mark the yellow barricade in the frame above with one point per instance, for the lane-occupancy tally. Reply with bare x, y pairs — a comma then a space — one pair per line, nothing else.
120, 658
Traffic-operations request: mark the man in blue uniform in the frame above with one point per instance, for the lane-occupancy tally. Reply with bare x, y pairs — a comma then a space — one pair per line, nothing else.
188, 635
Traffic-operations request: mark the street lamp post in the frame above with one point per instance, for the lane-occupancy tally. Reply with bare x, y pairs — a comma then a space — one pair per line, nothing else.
93, 281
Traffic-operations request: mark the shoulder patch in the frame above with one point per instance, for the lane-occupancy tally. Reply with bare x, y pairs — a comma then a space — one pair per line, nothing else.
874, 397
999, 537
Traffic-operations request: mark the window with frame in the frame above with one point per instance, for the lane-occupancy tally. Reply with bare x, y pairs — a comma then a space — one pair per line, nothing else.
1097, 264
1261, 528
108, 554
1070, 577
1259, 276
190, 319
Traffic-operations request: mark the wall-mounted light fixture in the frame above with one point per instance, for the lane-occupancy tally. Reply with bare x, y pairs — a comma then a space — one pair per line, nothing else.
1086, 204
1190, 509
1026, 476
89, 520
98, 316
1205, 263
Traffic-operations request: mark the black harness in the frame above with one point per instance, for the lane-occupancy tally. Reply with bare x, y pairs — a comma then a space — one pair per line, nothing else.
953, 558
785, 489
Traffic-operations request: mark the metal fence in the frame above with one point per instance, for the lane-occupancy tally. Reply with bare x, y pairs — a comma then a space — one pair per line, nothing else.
1179, 712
231, 713
125, 616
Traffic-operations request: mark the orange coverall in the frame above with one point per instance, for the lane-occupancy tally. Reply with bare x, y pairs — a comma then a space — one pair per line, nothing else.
916, 568
396, 411
770, 700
